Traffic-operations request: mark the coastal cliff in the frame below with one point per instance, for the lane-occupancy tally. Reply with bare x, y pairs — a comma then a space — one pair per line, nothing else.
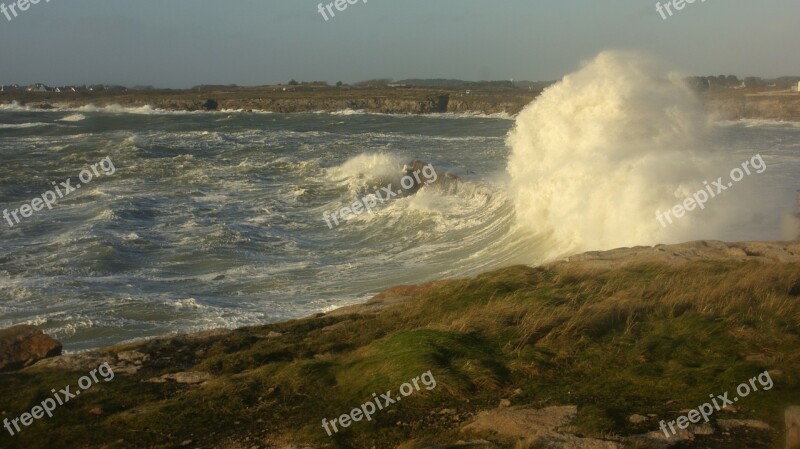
783, 106
373, 100
592, 351
729, 104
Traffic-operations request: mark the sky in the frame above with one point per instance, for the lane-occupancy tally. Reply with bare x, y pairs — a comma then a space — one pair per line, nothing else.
181, 43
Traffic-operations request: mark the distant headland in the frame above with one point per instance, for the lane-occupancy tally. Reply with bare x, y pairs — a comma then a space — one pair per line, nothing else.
728, 96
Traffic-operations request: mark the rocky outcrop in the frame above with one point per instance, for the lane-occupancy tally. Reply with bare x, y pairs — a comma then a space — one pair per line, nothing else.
210, 105
728, 104
383, 104
293, 100
424, 174
683, 253
21, 346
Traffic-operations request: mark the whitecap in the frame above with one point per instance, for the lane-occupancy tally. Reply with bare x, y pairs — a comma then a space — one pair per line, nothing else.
23, 125
73, 118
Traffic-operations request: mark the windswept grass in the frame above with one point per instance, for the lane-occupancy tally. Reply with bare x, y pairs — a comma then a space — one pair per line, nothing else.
646, 339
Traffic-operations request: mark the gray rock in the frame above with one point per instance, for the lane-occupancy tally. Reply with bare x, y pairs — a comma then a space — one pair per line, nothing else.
210, 105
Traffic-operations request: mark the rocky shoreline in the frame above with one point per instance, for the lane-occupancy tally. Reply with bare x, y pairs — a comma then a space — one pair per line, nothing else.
587, 352
728, 104
296, 100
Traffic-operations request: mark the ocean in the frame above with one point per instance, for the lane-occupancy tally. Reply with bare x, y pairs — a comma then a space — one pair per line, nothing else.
216, 219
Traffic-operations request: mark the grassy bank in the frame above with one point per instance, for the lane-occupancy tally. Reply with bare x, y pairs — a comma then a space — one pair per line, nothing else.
647, 338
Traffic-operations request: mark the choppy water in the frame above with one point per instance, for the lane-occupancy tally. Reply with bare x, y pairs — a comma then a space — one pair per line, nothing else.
215, 219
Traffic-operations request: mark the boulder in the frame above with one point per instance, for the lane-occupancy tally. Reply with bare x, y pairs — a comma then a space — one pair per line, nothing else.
637, 419
424, 177
23, 345
210, 105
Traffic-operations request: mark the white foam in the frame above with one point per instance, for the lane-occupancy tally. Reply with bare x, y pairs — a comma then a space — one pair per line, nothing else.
364, 170
599, 152
73, 118
471, 115
758, 123
344, 112
24, 125
188, 303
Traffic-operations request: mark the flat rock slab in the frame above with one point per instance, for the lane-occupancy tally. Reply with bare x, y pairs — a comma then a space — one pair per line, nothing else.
658, 439
537, 427
521, 422
24, 345
729, 424
133, 357
190, 378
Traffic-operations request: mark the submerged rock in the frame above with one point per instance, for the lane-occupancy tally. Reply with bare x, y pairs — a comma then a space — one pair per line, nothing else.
427, 175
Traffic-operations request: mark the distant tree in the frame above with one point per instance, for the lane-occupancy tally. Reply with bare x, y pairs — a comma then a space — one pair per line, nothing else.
374, 83
784, 81
339, 84
753, 81
732, 80
293, 82
698, 83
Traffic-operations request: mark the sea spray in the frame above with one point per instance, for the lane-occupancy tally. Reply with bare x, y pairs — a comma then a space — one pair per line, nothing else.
597, 153
224, 208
